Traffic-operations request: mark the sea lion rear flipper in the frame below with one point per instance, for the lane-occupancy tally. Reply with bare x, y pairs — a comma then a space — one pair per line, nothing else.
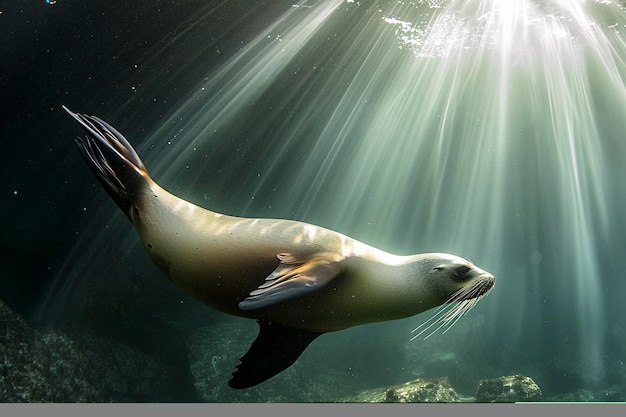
293, 278
275, 349
112, 159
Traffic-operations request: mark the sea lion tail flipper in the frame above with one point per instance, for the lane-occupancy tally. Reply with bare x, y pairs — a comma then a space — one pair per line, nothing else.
294, 278
275, 349
111, 158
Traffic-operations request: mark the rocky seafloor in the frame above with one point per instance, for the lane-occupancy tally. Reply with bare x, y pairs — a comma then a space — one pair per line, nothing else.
76, 366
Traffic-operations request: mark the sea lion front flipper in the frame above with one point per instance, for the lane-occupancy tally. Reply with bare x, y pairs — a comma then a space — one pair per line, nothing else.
275, 349
293, 278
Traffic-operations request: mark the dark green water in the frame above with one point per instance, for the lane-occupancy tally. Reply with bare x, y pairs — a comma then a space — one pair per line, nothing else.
492, 131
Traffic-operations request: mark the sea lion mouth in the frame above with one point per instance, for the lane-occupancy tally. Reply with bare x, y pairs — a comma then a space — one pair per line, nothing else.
458, 305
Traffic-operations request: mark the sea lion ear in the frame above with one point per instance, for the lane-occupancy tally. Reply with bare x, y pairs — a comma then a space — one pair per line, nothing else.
293, 278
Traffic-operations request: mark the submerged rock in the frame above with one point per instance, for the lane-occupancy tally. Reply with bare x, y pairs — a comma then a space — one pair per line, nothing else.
508, 389
59, 367
31, 370
581, 395
436, 390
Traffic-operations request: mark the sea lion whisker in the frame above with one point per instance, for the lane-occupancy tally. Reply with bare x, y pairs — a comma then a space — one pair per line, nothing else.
441, 324
442, 312
466, 307
458, 305
450, 317
437, 318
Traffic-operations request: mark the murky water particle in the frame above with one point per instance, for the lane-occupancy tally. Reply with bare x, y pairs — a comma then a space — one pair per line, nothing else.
15, 192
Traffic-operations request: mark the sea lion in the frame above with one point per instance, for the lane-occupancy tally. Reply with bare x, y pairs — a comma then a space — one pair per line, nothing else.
296, 279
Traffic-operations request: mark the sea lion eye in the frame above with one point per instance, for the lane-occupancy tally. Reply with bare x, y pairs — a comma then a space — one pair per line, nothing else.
461, 270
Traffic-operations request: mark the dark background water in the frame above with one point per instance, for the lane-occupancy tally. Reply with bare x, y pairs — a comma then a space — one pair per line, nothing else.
134, 60
134, 64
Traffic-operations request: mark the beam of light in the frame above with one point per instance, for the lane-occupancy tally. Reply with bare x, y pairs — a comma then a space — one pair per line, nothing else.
467, 127
525, 58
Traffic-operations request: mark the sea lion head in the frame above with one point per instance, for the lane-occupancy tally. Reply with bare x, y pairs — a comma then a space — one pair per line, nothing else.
456, 284
450, 274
